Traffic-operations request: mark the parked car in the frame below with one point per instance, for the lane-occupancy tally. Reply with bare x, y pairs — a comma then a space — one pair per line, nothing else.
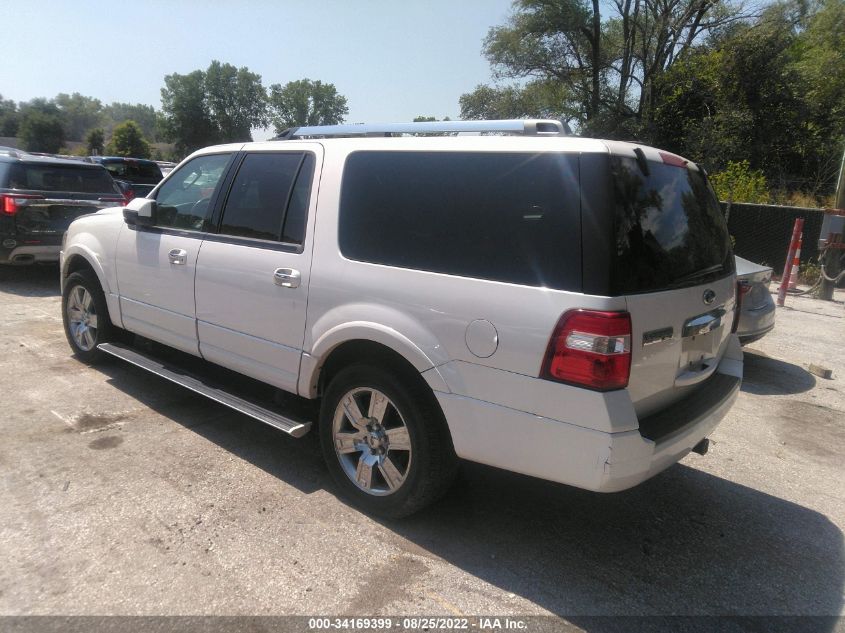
40, 197
757, 315
551, 305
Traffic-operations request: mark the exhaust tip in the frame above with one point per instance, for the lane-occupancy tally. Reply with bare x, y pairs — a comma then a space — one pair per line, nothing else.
23, 259
702, 447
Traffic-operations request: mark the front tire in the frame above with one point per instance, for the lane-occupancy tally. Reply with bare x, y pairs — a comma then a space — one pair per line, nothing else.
86, 316
385, 441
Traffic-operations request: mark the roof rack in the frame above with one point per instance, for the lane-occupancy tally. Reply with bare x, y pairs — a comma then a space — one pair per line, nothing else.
526, 127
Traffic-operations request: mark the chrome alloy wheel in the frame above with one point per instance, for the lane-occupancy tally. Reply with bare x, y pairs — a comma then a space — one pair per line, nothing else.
374, 449
82, 318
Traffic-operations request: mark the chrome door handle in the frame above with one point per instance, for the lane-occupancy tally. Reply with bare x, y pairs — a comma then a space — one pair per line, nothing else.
287, 277
178, 256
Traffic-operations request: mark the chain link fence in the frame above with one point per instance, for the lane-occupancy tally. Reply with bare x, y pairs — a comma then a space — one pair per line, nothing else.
761, 232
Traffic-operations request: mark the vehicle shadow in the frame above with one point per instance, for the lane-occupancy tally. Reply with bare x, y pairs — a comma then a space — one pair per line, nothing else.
296, 461
764, 375
683, 543
39, 280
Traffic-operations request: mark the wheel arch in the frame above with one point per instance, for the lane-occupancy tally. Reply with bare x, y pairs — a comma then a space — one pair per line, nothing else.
78, 258
356, 342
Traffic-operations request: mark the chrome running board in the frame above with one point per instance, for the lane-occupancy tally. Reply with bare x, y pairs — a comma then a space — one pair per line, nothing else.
296, 428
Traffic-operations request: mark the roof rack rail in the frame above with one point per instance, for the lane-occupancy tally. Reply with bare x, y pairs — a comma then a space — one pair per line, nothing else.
526, 127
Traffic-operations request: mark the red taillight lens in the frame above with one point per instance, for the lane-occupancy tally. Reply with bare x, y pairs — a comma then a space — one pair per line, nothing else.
590, 349
742, 289
11, 203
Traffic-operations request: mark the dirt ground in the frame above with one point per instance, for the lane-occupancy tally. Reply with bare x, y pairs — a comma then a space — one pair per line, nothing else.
124, 494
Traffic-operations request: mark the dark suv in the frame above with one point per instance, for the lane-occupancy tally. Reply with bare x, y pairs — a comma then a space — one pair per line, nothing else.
136, 177
40, 197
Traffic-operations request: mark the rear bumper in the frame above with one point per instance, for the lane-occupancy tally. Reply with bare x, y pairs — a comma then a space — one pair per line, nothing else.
753, 324
30, 254
595, 460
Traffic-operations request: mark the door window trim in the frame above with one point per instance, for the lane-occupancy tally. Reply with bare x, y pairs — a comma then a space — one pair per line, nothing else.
214, 235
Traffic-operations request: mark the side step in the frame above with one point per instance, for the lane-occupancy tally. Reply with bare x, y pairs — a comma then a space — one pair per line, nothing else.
296, 428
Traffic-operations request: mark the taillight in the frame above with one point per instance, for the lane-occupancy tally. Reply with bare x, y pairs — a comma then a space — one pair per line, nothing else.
12, 202
742, 289
590, 349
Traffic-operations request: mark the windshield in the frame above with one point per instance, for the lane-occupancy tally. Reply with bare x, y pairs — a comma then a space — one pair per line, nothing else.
669, 228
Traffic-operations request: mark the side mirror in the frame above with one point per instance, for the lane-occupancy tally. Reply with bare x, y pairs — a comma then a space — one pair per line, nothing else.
140, 211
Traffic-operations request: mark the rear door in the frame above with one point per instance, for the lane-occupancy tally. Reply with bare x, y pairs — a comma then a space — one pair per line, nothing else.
674, 264
156, 264
253, 273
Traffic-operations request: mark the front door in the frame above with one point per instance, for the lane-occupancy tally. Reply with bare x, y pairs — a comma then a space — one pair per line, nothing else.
156, 264
252, 275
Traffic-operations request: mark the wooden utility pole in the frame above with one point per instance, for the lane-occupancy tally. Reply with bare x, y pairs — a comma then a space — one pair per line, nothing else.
832, 255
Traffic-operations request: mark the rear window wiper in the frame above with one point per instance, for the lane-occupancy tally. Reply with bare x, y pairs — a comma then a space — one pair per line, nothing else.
700, 274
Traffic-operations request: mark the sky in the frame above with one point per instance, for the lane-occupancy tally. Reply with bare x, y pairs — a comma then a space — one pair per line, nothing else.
392, 60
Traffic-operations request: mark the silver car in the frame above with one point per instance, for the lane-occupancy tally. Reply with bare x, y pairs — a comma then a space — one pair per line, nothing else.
757, 316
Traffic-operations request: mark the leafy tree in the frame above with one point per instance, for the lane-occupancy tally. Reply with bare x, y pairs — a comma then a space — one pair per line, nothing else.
79, 114
95, 141
236, 101
41, 131
305, 102
220, 104
128, 140
739, 183
606, 67
538, 99
144, 115
8, 117
186, 119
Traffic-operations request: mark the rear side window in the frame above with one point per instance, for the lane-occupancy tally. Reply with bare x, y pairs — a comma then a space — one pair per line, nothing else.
266, 201
669, 229
511, 217
64, 178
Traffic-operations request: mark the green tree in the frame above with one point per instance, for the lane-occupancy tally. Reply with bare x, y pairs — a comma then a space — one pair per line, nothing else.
186, 119
95, 141
236, 100
8, 117
305, 102
537, 99
79, 114
739, 183
144, 115
128, 140
41, 131
220, 104
606, 66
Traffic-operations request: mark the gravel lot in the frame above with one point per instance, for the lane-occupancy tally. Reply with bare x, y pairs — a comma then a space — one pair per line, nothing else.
124, 494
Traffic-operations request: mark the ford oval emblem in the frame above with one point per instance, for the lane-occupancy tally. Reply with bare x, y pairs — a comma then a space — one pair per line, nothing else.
709, 296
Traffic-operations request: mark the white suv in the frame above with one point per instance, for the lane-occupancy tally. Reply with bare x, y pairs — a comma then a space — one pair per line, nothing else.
552, 305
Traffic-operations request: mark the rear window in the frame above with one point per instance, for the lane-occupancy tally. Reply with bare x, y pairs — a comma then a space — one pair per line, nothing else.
64, 178
511, 217
669, 229
148, 173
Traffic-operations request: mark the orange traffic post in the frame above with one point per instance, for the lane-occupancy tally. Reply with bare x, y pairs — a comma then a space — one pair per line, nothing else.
797, 230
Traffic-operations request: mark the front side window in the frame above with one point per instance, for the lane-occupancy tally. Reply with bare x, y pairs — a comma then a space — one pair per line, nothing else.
182, 202
266, 200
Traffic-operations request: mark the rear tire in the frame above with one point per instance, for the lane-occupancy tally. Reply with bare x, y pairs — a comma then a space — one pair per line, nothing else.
86, 316
385, 441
